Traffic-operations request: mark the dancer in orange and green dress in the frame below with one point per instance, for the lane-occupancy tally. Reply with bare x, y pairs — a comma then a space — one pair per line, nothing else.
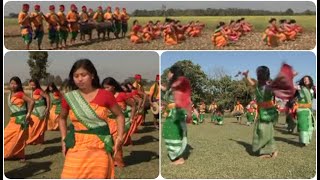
37, 21
55, 108
88, 147
202, 109
16, 131
40, 114
24, 21
128, 108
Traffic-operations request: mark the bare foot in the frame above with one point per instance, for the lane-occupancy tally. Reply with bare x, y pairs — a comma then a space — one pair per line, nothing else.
274, 154
22, 160
178, 161
265, 156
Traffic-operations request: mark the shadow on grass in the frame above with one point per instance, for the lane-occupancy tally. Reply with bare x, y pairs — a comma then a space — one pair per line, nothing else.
145, 140
29, 170
149, 123
137, 157
53, 141
286, 140
247, 146
147, 129
283, 130
187, 152
48, 151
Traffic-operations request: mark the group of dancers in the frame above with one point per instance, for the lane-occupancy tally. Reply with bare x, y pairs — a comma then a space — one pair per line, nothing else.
286, 30
103, 119
171, 31
226, 34
60, 25
263, 111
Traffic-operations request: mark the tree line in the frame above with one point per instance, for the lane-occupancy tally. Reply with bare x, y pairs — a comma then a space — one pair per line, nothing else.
219, 86
217, 12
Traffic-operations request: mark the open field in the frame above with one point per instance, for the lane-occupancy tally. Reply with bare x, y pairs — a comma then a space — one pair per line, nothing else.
251, 41
224, 152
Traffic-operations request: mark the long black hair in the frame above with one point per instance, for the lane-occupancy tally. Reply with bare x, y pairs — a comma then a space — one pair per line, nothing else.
126, 86
301, 82
87, 65
112, 82
36, 82
19, 84
177, 72
310, 86
272, 19
263, 73
53, 86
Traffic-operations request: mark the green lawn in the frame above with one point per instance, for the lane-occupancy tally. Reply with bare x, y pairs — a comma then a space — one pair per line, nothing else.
46, 161
224, 152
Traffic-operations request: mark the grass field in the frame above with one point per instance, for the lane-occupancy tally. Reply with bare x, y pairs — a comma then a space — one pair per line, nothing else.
224, 152
46, 161
252, 41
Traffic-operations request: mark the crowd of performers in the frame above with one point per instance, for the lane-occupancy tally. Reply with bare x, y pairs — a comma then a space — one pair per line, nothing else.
61, 25
103, 119
173, 32
225, 34
286, 30
263, 111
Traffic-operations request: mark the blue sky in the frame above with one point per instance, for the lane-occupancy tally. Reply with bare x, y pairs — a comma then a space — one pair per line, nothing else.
232, 62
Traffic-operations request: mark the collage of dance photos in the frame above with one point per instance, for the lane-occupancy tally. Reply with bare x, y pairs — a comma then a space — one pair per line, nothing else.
160, 89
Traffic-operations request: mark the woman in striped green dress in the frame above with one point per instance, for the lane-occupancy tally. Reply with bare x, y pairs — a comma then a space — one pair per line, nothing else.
263, 136
178, 102
305, 94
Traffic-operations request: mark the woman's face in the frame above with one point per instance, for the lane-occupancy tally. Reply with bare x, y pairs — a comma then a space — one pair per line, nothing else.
170, 74
108, 87
274, 22
13, 85
32, 85
306, 81
82, 78
50, 88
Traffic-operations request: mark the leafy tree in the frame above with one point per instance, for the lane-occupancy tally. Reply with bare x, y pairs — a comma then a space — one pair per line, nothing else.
38, 63
197, 77
289, 12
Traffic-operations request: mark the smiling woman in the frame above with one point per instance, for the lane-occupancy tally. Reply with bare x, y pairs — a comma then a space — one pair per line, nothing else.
93, 123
